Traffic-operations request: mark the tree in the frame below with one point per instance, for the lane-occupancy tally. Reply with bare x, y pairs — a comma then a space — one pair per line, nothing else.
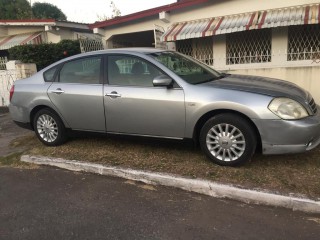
15, 9
47, 10
115, 12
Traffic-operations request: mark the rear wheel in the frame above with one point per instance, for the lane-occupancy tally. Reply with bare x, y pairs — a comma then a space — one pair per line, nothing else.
49, 128
228, 139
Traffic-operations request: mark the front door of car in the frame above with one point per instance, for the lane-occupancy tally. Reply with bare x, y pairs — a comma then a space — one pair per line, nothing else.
134, 106
77, 94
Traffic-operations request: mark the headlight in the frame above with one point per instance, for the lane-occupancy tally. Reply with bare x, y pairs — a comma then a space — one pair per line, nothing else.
287, 109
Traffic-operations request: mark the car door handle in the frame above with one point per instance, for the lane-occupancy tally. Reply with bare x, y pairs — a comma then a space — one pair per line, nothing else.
58, 91
113, 95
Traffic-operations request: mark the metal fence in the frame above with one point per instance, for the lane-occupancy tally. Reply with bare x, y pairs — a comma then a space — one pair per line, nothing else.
3, 61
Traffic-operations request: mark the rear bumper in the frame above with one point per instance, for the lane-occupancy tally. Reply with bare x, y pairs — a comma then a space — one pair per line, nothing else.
281, 136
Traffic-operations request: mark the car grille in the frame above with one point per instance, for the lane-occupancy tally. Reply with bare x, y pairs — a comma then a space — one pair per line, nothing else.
313, 106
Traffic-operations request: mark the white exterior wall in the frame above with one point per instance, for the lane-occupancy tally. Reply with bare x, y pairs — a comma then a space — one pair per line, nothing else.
13, 30
213, 9
3, 31
228, 7
55, 36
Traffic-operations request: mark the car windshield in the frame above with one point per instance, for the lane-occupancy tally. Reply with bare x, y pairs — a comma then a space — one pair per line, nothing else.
188, 69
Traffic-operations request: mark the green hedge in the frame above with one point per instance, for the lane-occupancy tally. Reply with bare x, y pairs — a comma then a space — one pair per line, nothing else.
44, 54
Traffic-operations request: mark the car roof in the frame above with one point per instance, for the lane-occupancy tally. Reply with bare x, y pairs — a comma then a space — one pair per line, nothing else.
142, 50
125, 50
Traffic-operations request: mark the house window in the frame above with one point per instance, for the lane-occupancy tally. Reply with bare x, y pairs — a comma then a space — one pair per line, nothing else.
199, 48
304, 43
249, 47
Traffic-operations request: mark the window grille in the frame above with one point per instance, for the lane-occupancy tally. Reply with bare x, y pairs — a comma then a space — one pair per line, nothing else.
304, 43
247, 47
199, 48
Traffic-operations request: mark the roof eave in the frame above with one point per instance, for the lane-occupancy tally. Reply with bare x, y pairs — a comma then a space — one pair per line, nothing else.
146, 13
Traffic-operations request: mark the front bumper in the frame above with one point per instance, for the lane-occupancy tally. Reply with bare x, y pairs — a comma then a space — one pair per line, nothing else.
281, 136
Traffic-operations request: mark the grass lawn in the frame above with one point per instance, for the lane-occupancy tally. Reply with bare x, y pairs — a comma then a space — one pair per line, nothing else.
297, 174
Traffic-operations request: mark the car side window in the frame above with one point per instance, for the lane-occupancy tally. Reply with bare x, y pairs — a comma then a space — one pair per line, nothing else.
131, 71
85, 71
49, 74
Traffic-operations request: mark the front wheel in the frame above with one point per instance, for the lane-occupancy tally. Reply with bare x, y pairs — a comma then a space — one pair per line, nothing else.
228, 139
49, 128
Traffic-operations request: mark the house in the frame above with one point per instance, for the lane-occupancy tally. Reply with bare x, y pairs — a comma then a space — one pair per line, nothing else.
278, 39
36, 31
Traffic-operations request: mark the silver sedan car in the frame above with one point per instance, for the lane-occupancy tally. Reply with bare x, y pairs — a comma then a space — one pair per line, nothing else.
155, 93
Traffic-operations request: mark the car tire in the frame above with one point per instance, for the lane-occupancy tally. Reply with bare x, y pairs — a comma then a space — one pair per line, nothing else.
228, 139
49, 128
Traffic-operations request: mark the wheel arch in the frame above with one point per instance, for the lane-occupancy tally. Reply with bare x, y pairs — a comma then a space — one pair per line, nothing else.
205, 117
38, 108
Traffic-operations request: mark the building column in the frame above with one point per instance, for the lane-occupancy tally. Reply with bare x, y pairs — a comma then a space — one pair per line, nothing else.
279, 41
219, 52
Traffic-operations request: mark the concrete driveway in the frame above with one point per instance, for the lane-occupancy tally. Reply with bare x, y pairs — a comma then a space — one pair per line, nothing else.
8, 132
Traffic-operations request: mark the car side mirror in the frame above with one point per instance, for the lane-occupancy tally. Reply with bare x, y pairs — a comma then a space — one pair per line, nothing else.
162, 81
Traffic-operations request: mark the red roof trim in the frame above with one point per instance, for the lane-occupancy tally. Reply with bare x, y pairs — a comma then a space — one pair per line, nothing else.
147, 13
27, 21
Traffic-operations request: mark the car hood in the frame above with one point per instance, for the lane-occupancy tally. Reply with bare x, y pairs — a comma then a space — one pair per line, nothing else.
262, 85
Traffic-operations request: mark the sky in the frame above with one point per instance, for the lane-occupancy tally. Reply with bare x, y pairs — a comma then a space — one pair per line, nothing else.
88, 11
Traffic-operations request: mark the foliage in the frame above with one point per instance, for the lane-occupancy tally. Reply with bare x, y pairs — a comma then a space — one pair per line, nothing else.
115, 12
44, 54
47, 10
15, 9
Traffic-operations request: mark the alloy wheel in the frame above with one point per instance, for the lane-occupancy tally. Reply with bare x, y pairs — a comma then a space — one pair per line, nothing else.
225, 142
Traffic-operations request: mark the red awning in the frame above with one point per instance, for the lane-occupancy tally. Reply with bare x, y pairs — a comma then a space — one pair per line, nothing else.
20, 39
297, 15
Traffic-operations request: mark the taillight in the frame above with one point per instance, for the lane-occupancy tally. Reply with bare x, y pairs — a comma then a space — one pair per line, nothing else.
11, 92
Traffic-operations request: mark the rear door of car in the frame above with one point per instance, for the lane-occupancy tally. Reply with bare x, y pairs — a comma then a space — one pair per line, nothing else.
77, 93
134, 106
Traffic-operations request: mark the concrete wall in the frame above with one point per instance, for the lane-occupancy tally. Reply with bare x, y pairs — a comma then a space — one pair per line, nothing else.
305, 77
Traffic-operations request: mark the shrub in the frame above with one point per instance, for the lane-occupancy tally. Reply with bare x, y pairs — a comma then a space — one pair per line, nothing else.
44, 54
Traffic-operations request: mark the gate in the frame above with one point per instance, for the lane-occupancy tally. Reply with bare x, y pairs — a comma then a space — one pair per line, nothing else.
89, 42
